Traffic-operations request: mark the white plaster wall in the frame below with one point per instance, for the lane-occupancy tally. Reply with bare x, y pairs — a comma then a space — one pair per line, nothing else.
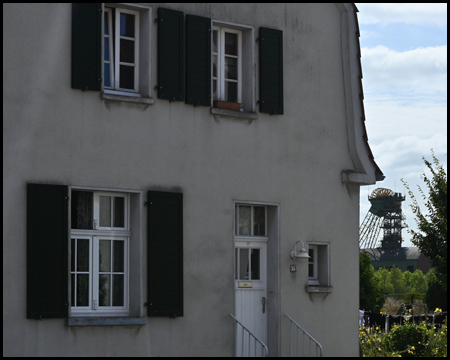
54, 134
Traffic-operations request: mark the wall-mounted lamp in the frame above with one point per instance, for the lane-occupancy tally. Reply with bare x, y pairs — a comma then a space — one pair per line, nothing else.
302, 254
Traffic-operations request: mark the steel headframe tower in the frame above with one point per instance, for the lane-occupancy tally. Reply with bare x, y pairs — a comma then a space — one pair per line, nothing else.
385, 213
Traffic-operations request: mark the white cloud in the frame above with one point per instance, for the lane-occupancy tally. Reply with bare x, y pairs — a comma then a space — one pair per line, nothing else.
389, 118
418, 71
417, 14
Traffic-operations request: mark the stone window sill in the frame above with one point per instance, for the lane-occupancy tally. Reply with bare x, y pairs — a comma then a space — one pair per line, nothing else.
236, 114
130, 99
314, 289
106, 321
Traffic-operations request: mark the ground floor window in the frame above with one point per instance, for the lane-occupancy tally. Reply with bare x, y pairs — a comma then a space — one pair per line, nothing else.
99, 245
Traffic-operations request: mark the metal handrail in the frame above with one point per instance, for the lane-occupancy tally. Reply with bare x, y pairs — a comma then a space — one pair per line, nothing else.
264, 349
319, 350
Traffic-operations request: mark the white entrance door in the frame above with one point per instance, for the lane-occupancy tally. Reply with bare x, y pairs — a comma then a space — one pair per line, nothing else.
251, 293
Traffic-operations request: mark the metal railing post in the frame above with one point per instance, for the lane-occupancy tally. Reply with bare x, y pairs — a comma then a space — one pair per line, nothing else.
264, 349
319, 350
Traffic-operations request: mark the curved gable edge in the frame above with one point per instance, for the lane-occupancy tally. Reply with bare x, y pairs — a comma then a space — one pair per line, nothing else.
365, 171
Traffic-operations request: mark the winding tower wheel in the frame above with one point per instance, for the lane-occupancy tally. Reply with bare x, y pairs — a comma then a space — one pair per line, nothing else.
385, 213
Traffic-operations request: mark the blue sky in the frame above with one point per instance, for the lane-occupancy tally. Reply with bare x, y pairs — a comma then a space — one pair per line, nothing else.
404, 63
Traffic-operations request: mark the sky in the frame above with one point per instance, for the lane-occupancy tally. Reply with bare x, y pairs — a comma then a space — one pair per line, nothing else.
404, 64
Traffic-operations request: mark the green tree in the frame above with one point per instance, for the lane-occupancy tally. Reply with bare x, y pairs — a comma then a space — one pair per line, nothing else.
397, 280
436, 295
418, 283
431, 237
382, 274
407, 286
371, 297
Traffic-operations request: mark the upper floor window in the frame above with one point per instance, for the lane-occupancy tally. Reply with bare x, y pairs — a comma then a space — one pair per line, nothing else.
227, 64
120, 55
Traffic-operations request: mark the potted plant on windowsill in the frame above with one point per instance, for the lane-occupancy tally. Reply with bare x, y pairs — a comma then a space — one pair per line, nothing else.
227, 105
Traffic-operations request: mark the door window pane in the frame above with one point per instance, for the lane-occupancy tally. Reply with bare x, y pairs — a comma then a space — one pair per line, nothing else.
254, 262
259, 221
119, 211
243, 264
244, 222
105, 211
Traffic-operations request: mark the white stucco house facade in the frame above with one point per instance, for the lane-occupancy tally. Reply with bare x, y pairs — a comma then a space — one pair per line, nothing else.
161, 163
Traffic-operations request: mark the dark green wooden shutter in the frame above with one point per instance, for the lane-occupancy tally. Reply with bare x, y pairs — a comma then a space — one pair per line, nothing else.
165, 254
47, 251
170, 54
270, 71
86, 46
198, 60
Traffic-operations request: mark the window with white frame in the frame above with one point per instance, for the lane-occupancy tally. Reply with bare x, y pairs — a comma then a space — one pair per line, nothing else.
99, 253
121, 51
318, 265
227, 64
312, 265
251, 220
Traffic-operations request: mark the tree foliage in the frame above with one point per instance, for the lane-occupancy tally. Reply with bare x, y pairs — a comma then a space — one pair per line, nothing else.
371, 297
436, 294
431, 237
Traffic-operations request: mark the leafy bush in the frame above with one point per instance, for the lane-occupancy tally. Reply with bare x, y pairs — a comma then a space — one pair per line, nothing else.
410, 340
401, 339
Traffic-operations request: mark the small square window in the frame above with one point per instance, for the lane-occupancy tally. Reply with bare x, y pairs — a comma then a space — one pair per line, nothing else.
251, 220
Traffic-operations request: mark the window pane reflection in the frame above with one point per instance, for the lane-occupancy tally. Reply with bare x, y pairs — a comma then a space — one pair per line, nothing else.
259, 221
104, 254
244, 220
254, 261
127, 25
104, 289
105, 211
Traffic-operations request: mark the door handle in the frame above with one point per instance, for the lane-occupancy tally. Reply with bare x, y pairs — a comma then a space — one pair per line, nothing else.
264, 305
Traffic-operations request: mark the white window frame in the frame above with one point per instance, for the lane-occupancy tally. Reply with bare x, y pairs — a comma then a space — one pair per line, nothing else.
221, 31
321, 263
236, 231
94, 236
114, 52
313, 260
96, 222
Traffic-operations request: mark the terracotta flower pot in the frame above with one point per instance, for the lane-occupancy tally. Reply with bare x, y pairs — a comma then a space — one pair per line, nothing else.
227, 105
